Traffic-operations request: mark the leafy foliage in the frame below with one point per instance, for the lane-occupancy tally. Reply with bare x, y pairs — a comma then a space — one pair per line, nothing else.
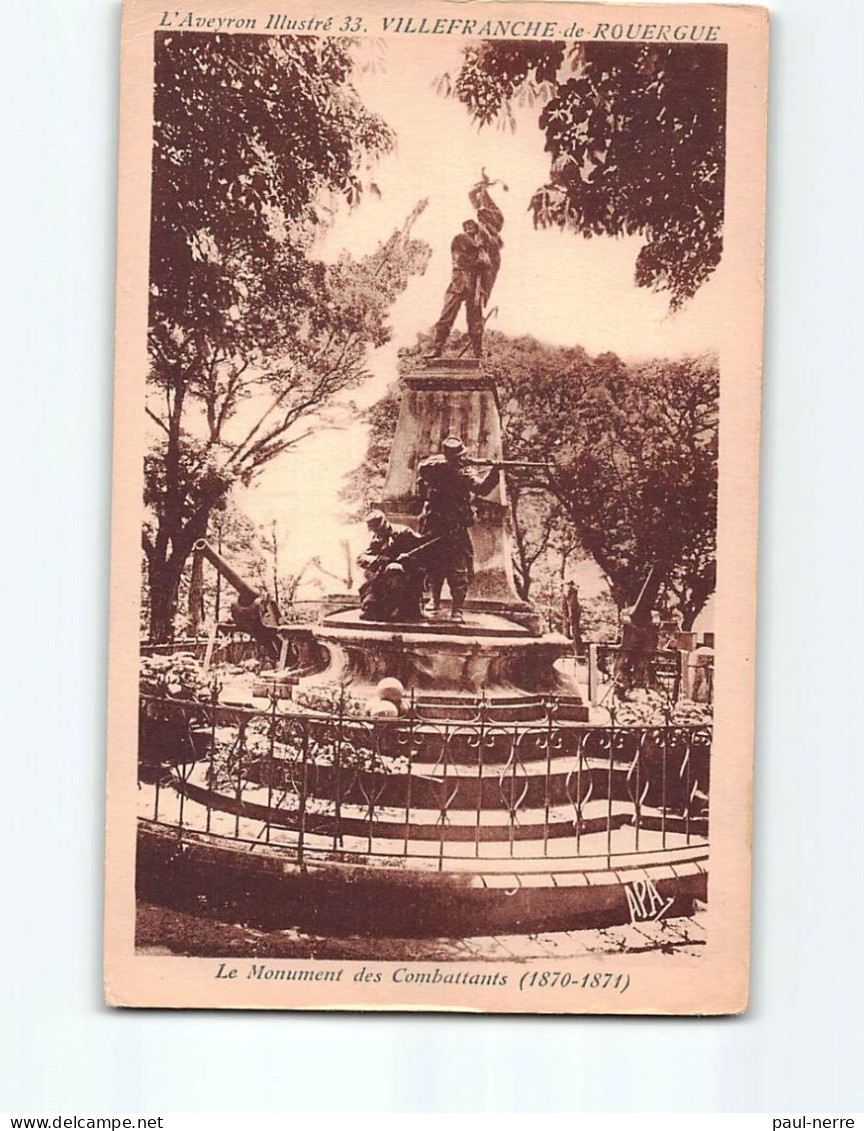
255, 141
634, 452
636, 137
600, 620
364, 485
543, 540
248, 132
646, 708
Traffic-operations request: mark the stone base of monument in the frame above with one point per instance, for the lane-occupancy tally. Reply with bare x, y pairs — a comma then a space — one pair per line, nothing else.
447, 664
271, 890
486, 805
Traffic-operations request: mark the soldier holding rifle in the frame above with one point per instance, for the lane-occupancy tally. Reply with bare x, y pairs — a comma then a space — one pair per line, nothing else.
448, 484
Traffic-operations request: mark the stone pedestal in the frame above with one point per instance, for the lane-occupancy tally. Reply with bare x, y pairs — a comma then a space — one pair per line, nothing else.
453, 397
500, 652
487, 656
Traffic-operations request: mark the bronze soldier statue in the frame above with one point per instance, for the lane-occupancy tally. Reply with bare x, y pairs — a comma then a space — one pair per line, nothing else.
447, 486
490, 221
395, 571
476, 259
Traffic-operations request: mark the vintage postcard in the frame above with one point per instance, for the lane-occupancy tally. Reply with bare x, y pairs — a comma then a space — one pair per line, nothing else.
439, 335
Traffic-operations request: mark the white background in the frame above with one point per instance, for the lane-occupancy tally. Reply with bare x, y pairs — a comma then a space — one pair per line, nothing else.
799, 1047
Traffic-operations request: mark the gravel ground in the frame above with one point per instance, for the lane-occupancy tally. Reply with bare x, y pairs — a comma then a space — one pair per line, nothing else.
160, 931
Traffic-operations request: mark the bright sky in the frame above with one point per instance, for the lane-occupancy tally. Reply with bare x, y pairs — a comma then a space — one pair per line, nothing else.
553, 285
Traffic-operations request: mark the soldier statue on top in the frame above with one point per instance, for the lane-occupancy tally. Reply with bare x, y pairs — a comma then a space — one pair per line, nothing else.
447, 485
476, 259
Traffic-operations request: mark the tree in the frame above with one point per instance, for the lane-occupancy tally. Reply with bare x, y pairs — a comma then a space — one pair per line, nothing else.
255, 139
544, 540
634, 455
636, 137
365, 484
643, 481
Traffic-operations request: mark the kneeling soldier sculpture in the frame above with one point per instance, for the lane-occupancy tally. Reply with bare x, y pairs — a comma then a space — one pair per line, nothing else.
394, 565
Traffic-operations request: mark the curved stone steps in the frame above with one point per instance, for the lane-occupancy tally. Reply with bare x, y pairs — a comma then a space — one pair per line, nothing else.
324, 818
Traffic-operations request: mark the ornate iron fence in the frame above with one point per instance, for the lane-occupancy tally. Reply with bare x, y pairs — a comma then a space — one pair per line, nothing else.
613, 671
419, 789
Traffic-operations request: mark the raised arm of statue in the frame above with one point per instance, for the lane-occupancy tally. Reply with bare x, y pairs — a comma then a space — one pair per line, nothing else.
490, 220
489, 215
476, 259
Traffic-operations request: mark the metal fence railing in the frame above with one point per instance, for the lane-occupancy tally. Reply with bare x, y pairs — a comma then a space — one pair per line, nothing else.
432, 791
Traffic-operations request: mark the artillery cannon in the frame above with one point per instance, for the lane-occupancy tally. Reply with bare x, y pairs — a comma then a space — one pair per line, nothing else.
640, 636
253, 612
641, 614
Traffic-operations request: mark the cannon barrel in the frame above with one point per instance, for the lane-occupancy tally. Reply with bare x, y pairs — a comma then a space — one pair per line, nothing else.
641, 612
246, 592
253, 611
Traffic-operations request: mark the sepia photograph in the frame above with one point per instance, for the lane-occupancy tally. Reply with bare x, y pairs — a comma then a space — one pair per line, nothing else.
429, 475
392, 727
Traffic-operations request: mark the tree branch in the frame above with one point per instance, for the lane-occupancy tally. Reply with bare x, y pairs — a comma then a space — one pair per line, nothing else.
157, 419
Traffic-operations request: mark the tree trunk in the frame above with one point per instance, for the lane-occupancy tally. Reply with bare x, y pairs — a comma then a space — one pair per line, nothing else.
196, 596
165, 572
164, 595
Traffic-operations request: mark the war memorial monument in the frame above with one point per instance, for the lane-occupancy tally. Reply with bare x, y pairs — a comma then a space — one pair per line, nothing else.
422, 760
